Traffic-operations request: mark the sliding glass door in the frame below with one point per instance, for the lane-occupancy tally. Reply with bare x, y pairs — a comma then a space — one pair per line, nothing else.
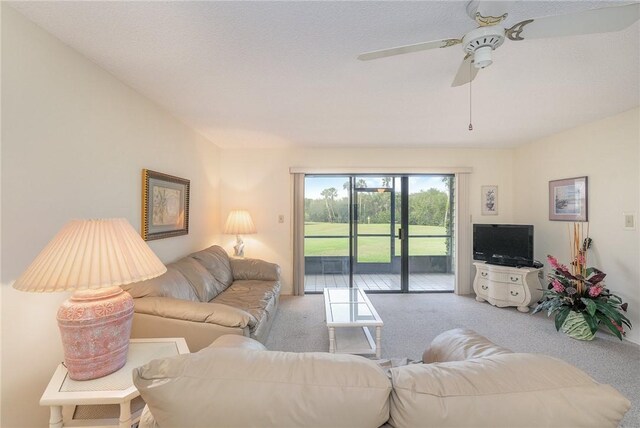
376, 224
430, 233
380, 233
327, 232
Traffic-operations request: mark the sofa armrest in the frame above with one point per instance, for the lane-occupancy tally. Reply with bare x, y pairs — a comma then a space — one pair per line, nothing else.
212, 313
460, 344
508, 390
237, 342
244, 269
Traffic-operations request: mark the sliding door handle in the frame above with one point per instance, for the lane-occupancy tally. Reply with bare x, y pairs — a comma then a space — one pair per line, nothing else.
400, 234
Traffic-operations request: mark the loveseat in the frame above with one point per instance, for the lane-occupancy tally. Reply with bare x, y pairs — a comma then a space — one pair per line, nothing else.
465, 381
206, 295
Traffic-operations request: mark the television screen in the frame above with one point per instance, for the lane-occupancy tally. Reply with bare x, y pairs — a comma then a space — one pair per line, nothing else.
508, 244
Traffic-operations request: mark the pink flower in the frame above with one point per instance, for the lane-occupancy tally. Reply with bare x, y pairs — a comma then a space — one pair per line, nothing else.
581, 258
555, 265
595, 290
557, 286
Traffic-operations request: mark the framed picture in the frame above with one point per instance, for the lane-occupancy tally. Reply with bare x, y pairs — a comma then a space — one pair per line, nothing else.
568, 199
489, 200
165, 205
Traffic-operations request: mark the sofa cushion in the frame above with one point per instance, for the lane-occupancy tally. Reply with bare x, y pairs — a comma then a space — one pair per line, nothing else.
203, 283
243, 388
199, 312
254, 269
510, 390
252, 296
216, 261
170, 284
460, 344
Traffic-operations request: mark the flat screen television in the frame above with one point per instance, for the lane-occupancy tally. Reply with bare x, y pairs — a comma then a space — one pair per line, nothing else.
503, 244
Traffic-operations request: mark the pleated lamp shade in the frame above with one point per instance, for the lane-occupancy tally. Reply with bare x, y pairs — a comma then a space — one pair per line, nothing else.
239, 223
91, 254
93, 257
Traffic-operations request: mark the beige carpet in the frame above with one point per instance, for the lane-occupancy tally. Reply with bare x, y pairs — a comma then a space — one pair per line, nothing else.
413, 320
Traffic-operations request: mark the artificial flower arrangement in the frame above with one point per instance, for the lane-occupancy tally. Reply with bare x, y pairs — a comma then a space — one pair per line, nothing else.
578, 296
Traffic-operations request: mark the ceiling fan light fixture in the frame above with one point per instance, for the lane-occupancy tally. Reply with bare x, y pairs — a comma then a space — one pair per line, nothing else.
482, 57
480, 42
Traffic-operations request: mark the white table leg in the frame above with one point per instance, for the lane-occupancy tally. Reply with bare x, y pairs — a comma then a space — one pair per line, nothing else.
332, 340
55, 417
378, 340
125, 415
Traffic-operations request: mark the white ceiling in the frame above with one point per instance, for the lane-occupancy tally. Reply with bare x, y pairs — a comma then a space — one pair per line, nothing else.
264, 74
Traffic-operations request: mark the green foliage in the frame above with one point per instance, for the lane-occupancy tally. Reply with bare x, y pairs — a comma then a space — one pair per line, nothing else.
429, 208
583, 293
561, 317
326, 210
590, 304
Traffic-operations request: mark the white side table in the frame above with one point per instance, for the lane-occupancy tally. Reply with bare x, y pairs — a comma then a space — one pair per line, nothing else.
108, 401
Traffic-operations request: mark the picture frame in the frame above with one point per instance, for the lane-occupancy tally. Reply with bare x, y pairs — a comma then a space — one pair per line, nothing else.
489, 200
568, 199
165, 205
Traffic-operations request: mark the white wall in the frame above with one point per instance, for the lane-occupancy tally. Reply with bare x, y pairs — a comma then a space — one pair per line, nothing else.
607, 151
74, 142
259, 180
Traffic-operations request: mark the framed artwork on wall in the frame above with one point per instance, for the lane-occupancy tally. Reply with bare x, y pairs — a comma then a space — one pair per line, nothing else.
489, 200
165, 205
568, 199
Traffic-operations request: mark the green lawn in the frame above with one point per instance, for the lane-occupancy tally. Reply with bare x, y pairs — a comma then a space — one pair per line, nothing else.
370, 248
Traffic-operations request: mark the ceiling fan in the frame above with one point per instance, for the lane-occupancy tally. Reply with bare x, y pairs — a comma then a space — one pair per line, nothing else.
489, 35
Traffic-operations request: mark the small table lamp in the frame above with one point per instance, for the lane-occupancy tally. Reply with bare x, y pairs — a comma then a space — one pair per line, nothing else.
239, 223
92, 258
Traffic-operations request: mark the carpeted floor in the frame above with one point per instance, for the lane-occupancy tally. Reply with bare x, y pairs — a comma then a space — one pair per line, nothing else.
413, 320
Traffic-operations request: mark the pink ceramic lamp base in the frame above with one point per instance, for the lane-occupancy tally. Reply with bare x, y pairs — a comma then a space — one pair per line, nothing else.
95, 326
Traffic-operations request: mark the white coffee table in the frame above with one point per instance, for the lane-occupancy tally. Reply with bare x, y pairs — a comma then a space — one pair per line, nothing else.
349, 314
111, 400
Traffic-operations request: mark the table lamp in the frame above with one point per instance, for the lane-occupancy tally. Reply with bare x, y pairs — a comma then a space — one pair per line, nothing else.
92, 258
239, 223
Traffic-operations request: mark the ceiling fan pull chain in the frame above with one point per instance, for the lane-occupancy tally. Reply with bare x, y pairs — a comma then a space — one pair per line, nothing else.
470, 125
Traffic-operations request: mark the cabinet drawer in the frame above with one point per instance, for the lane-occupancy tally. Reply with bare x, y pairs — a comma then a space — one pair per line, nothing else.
498, 291
511, 278
494, 290
483, 287
516, 293
483, 274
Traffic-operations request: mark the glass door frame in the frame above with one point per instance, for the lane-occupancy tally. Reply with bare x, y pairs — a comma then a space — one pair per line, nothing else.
355, 210
403, 232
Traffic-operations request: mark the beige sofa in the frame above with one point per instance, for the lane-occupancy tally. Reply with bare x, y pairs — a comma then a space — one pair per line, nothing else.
466, 381
206, 295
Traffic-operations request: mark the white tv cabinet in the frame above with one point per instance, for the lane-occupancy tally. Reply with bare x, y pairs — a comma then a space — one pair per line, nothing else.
507, 286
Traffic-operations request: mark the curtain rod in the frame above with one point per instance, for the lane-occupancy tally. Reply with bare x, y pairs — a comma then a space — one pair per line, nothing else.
380, 170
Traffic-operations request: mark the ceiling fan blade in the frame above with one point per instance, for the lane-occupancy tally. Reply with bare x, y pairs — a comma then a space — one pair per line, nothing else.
602, 20
445, 43
466, 72
487, 12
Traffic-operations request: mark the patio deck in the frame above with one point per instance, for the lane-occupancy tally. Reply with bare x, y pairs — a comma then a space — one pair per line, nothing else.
385, 282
